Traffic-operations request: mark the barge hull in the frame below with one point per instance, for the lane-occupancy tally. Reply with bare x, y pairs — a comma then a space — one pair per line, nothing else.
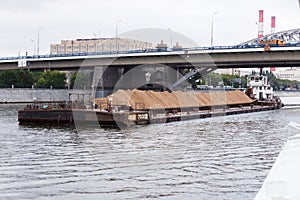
71, 117
120, 118
210, 114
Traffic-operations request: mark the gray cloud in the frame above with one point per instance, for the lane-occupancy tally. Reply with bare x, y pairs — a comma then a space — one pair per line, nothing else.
67, 19
23, 5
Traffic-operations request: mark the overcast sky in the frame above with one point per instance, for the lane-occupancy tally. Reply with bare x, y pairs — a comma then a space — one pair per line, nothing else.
71, 19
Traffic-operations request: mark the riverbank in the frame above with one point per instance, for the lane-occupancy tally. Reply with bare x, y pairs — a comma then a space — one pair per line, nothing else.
28, 95
9, 95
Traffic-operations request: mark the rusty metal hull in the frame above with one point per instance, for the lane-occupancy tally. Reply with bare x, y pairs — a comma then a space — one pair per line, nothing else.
71, 117
93, 117
45, 116
210, 113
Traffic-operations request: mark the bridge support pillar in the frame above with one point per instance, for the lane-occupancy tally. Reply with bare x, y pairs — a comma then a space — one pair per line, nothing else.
105, 79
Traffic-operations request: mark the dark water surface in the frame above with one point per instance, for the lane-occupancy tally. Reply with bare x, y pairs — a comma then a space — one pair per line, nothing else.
219, 158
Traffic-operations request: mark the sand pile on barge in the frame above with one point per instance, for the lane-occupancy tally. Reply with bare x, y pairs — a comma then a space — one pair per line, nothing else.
177, 99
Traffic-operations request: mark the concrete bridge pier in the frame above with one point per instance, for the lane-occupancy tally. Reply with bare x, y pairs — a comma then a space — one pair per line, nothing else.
156, 77
107, 80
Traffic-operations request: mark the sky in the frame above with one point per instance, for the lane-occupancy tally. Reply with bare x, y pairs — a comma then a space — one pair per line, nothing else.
55, 20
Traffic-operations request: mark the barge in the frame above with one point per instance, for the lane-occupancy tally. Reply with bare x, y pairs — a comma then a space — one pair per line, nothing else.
74, 113
138, 107
144, 107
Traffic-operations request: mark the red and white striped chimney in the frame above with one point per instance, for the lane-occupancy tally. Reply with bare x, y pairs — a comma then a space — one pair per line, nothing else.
273, 24
273, 69
261, 24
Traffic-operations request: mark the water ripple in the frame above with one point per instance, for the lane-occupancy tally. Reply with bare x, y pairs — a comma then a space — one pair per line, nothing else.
221, 158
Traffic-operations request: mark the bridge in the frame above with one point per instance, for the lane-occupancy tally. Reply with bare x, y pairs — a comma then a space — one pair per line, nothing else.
290, 37
168, 67
218, 57
246, 55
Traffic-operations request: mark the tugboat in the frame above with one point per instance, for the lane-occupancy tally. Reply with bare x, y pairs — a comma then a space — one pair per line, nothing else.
260, 89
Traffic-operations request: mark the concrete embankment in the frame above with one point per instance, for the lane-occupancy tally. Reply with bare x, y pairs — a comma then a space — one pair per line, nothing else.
29, 95
287, 93
18, 95
289, 98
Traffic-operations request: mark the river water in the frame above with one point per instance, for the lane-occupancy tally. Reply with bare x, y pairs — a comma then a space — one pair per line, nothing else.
218, 158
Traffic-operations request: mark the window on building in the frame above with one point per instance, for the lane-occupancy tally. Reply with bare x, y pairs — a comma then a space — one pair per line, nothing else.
99, 47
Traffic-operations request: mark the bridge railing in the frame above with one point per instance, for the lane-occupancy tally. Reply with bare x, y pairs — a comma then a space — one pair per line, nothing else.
245, 46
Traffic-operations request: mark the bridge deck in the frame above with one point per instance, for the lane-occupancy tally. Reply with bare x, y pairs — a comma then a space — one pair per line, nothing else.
197, 57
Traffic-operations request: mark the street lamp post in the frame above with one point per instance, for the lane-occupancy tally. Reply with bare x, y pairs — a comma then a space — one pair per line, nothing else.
117, 35
171, 37
212, 30
33, 46
38, 40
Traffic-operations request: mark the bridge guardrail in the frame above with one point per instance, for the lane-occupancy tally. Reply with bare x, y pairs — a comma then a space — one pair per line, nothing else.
142, 51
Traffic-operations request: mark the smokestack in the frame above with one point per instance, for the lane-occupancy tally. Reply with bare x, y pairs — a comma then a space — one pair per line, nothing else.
261, 24
273, 24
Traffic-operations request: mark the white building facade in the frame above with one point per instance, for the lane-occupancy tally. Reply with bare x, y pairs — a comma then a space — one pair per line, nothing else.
292, 74
98, 45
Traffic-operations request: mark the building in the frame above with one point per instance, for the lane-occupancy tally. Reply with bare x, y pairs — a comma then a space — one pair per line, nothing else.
292, 74
243, 71
98, 45
234, 71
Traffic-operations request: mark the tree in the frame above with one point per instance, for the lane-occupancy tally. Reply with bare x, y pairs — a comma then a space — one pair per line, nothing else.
55, 79
18, 78
41, 83
8, 78
58, 79
24, 79
79, 80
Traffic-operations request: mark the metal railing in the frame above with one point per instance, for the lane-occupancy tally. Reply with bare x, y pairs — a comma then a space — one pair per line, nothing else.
247, 46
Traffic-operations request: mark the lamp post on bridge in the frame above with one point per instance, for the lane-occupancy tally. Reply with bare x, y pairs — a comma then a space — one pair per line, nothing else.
117, 23
212, 29
171, 38
33, 46
38, 40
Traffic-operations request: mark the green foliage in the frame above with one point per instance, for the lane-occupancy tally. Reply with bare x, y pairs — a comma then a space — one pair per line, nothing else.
55, 79
226, 79
79, 80
36, 76
281, 84
25, 78
8, 78
18, 78
215, 80
41, 83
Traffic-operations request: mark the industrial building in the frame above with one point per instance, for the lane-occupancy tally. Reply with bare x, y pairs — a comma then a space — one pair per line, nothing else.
292, 74
98, 45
